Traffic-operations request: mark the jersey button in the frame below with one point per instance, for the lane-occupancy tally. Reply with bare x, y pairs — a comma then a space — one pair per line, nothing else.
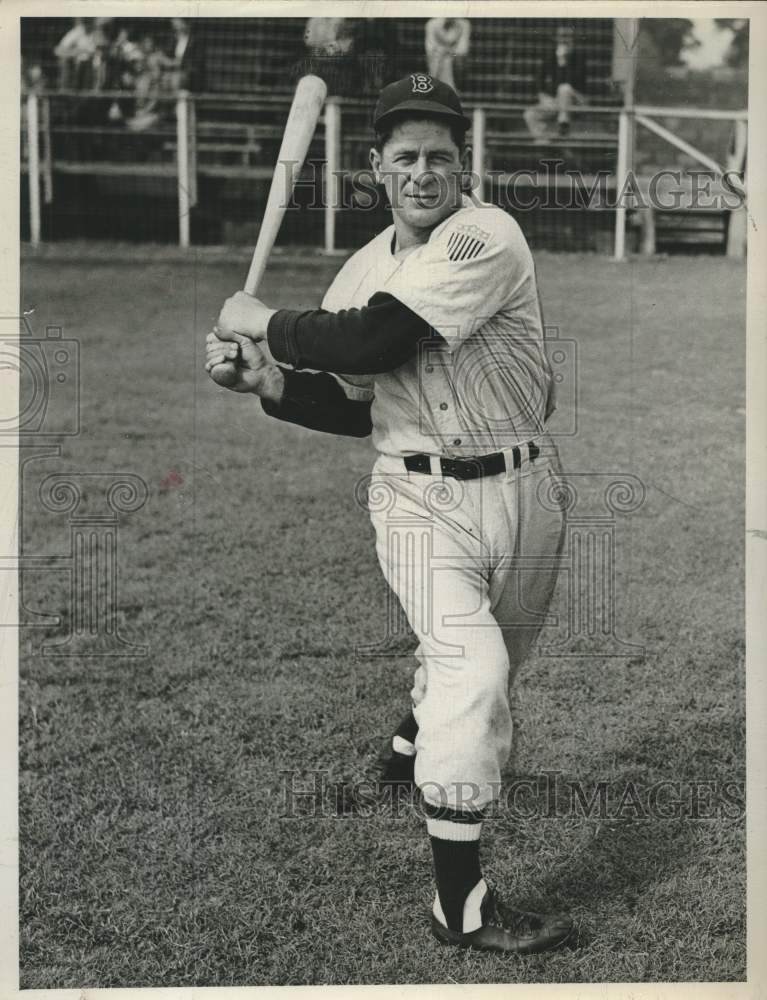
456, 441
443, 406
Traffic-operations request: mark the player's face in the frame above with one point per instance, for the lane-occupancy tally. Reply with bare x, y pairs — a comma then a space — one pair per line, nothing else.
420, 166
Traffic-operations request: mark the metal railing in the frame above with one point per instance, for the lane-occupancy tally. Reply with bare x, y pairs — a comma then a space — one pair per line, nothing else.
181, 141
644, 116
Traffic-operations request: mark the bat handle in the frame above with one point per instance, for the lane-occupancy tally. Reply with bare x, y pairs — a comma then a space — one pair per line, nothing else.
255, 274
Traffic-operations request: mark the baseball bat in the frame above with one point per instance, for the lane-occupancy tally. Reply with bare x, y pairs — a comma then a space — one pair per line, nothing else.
302, 121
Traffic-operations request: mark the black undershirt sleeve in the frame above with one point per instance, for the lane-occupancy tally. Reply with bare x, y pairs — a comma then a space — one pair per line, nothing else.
316, 400
378, 338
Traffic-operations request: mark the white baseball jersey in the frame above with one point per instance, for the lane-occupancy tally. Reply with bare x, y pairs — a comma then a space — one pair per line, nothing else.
485, 383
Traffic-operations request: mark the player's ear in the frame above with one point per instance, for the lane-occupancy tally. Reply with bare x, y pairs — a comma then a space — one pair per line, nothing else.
375, 163
466, 178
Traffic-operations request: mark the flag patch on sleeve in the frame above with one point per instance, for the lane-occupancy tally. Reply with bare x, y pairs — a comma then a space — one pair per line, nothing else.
466, 242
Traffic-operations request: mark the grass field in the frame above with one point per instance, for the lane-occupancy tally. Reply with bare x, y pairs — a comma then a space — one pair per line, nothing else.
155, 849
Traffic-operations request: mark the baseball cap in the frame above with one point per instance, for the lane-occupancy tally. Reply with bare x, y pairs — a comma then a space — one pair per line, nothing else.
419, 92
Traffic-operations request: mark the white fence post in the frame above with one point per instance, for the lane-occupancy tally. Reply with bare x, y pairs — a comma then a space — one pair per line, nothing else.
332, 171
192, 131
182, 164
47, 148
478, 121
33, 165
620, 184
737, 221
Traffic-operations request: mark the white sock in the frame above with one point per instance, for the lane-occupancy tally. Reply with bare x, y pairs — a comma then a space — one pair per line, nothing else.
403, 746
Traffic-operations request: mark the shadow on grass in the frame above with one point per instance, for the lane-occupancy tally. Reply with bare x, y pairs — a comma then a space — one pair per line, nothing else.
639, 844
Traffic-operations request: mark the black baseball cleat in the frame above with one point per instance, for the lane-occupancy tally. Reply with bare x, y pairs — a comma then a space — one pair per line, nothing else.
390, 779
506, 930
395, 770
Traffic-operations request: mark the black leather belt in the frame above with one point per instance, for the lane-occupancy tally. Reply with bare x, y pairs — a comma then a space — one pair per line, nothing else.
473, 468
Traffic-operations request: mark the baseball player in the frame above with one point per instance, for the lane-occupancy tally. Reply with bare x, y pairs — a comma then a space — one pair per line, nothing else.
436, 328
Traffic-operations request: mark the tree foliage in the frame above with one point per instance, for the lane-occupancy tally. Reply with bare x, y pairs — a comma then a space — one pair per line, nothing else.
737, 54
669, 37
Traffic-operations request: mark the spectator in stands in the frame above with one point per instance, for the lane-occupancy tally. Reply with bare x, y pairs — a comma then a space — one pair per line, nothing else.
561, 85
185, 73
375, 43
149, 85
330, 41
124, 62
447, 45
75, 54
125, 59
103, 33
32, 78
32, 81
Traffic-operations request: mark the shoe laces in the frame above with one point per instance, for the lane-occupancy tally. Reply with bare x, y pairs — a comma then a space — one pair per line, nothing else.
518, 922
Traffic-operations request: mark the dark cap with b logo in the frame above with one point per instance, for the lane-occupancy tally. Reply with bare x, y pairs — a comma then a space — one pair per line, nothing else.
419, 93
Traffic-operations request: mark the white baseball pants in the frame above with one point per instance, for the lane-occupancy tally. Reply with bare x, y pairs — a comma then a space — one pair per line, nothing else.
474, 564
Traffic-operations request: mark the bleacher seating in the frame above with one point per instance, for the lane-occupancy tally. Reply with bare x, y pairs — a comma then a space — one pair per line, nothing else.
249, 66
250, 55
258, 58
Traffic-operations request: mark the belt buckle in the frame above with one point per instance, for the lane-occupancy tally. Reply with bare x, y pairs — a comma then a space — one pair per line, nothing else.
468, 468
